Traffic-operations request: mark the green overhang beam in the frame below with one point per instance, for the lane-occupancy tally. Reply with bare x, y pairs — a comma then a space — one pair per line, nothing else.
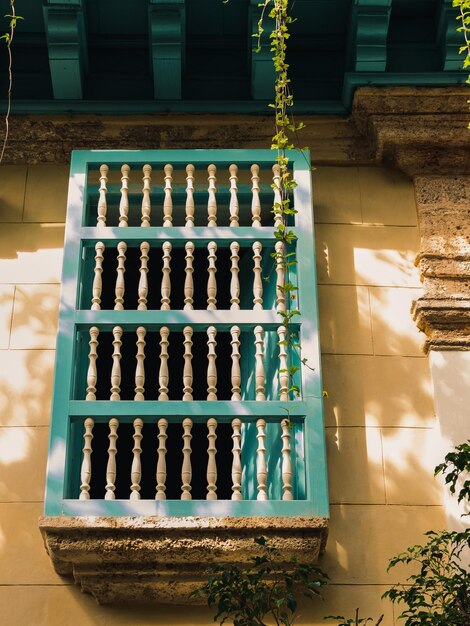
167, 34
67, 47
367, 35
448, 39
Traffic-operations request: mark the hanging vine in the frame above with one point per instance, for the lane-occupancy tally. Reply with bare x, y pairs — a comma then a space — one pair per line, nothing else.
8, 37
282, 141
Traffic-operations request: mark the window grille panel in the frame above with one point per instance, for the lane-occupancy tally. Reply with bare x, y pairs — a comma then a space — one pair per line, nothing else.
172, 395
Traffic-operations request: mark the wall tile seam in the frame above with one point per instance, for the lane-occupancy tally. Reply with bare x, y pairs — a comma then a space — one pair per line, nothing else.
367, 427
24, 193
378, 225
371, 285
371, 354
10, 326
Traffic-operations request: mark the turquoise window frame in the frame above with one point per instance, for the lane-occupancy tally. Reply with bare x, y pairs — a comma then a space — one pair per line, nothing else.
68, 414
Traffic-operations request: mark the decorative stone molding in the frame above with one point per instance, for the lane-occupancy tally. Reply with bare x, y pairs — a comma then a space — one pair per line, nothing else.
151, 559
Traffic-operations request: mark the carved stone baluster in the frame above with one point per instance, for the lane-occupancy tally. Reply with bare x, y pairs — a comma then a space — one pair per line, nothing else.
255, 201
124, 203
188, 281
259, 358
145, 219
111, 466
261, 468
211, 281
121, 268
277, 204
92, 373
97, 279
189, 195
166, 283
140, 370
161, 463
186, 470
286, 470
234, 281
236, 373
212, 202
142, 289
168, 202
236, 462
283, 367
233, 207
136, 469
102, 204
211, 463
163, 375
211, 367
257, 279
280, 276
116, 369
188, 366
85, 473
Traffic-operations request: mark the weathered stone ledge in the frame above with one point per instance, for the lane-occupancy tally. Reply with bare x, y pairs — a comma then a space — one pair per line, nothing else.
153, 559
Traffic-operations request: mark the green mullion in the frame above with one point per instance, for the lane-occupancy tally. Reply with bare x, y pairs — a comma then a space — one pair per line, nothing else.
223, 235
190, 508
214, 408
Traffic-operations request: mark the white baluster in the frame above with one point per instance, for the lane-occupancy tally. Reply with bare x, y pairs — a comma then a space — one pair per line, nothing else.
234, 281
161, 463
163, 375
211, 368
92, 373
111, 466
85, 473
97, 279
277, 204
233, 207
286, 470
124, 203
136, 469
145, 219
211, 281
259, 358
283, 367
102, 204
166, 284
116, 369
120, 288
211, 463
261, 468
236, 374
139, 370
142, 289
257, 279
189, 209
280, 276
212, 202
186, 470
188, 366
255, 201
168, 202
236, 462
188, 281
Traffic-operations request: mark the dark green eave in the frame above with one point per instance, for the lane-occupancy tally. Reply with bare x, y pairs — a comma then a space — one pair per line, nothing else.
97, 56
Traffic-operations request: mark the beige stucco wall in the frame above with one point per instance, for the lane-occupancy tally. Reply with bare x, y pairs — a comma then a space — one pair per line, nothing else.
380, 426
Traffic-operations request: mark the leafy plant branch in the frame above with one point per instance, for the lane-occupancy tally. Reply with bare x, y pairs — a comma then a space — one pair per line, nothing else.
8, 37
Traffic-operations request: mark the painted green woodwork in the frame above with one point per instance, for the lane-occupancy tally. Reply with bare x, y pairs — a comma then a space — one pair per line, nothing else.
181, 56
367, 38
69, 407
67, 47
167, 27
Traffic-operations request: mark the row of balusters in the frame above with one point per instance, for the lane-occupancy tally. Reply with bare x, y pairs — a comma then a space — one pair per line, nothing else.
188, 288
186, 468
187, 381
234, 206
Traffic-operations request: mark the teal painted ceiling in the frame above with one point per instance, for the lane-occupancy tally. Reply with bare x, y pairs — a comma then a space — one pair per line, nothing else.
196, 55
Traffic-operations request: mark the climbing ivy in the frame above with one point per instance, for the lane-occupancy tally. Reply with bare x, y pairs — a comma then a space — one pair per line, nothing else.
8, 37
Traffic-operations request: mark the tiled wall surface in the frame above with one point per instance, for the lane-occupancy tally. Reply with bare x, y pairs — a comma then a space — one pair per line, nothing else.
380, 423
